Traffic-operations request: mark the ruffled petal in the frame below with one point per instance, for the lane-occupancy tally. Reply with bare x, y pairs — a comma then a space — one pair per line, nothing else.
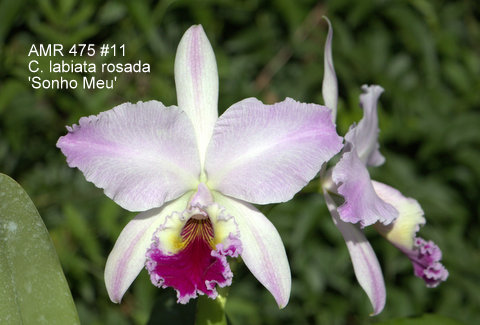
263, 250
127, 257
196, 80
329, 84
365, 263
141, 154
424, 255
364, 136
361, 204
267, 153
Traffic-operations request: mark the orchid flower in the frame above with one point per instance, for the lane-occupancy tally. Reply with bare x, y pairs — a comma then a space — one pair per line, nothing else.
193, 176
355, 201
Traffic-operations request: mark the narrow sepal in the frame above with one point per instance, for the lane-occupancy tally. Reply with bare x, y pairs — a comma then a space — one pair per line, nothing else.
196, 80
365, 262
329, 84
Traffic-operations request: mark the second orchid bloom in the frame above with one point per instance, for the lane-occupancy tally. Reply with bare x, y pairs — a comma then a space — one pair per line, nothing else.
355, 201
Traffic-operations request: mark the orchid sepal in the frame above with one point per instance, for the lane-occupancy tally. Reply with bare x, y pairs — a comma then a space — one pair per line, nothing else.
329, 83
196, 80
365, 263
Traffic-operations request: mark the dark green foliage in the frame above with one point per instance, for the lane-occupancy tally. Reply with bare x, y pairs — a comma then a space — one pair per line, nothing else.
424, 53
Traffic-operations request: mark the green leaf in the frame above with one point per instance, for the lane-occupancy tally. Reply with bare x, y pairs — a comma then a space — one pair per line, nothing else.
427, 319
33, 289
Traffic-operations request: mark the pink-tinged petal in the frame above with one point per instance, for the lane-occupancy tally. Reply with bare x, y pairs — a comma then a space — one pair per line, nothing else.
263, 250
128, 255
329, 84
364, 136
424, 255
365, 263
196, 80
362, 205
141, 154
267, 153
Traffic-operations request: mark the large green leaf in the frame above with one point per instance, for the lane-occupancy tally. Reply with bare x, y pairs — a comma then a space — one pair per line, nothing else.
33, 289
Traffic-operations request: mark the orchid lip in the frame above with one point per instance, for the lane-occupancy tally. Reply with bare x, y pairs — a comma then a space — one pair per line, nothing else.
189, 251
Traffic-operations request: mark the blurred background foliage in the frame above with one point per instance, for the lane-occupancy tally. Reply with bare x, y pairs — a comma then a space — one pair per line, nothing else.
426, 54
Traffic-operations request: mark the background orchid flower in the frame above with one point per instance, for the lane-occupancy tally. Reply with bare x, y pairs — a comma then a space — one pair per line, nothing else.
355, 201
194, 175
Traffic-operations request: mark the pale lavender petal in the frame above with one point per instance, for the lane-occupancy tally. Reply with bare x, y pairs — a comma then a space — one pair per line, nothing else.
263, 250
365, 263
141, 154
364, 136
329, 85
267, 153
424, 255
362, 205
196, 80
127, 257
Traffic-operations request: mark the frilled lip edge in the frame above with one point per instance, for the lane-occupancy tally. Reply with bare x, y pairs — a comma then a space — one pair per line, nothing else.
425, 257
195, 269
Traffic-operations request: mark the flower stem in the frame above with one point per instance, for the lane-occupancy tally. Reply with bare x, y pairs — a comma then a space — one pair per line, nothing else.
212, 311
